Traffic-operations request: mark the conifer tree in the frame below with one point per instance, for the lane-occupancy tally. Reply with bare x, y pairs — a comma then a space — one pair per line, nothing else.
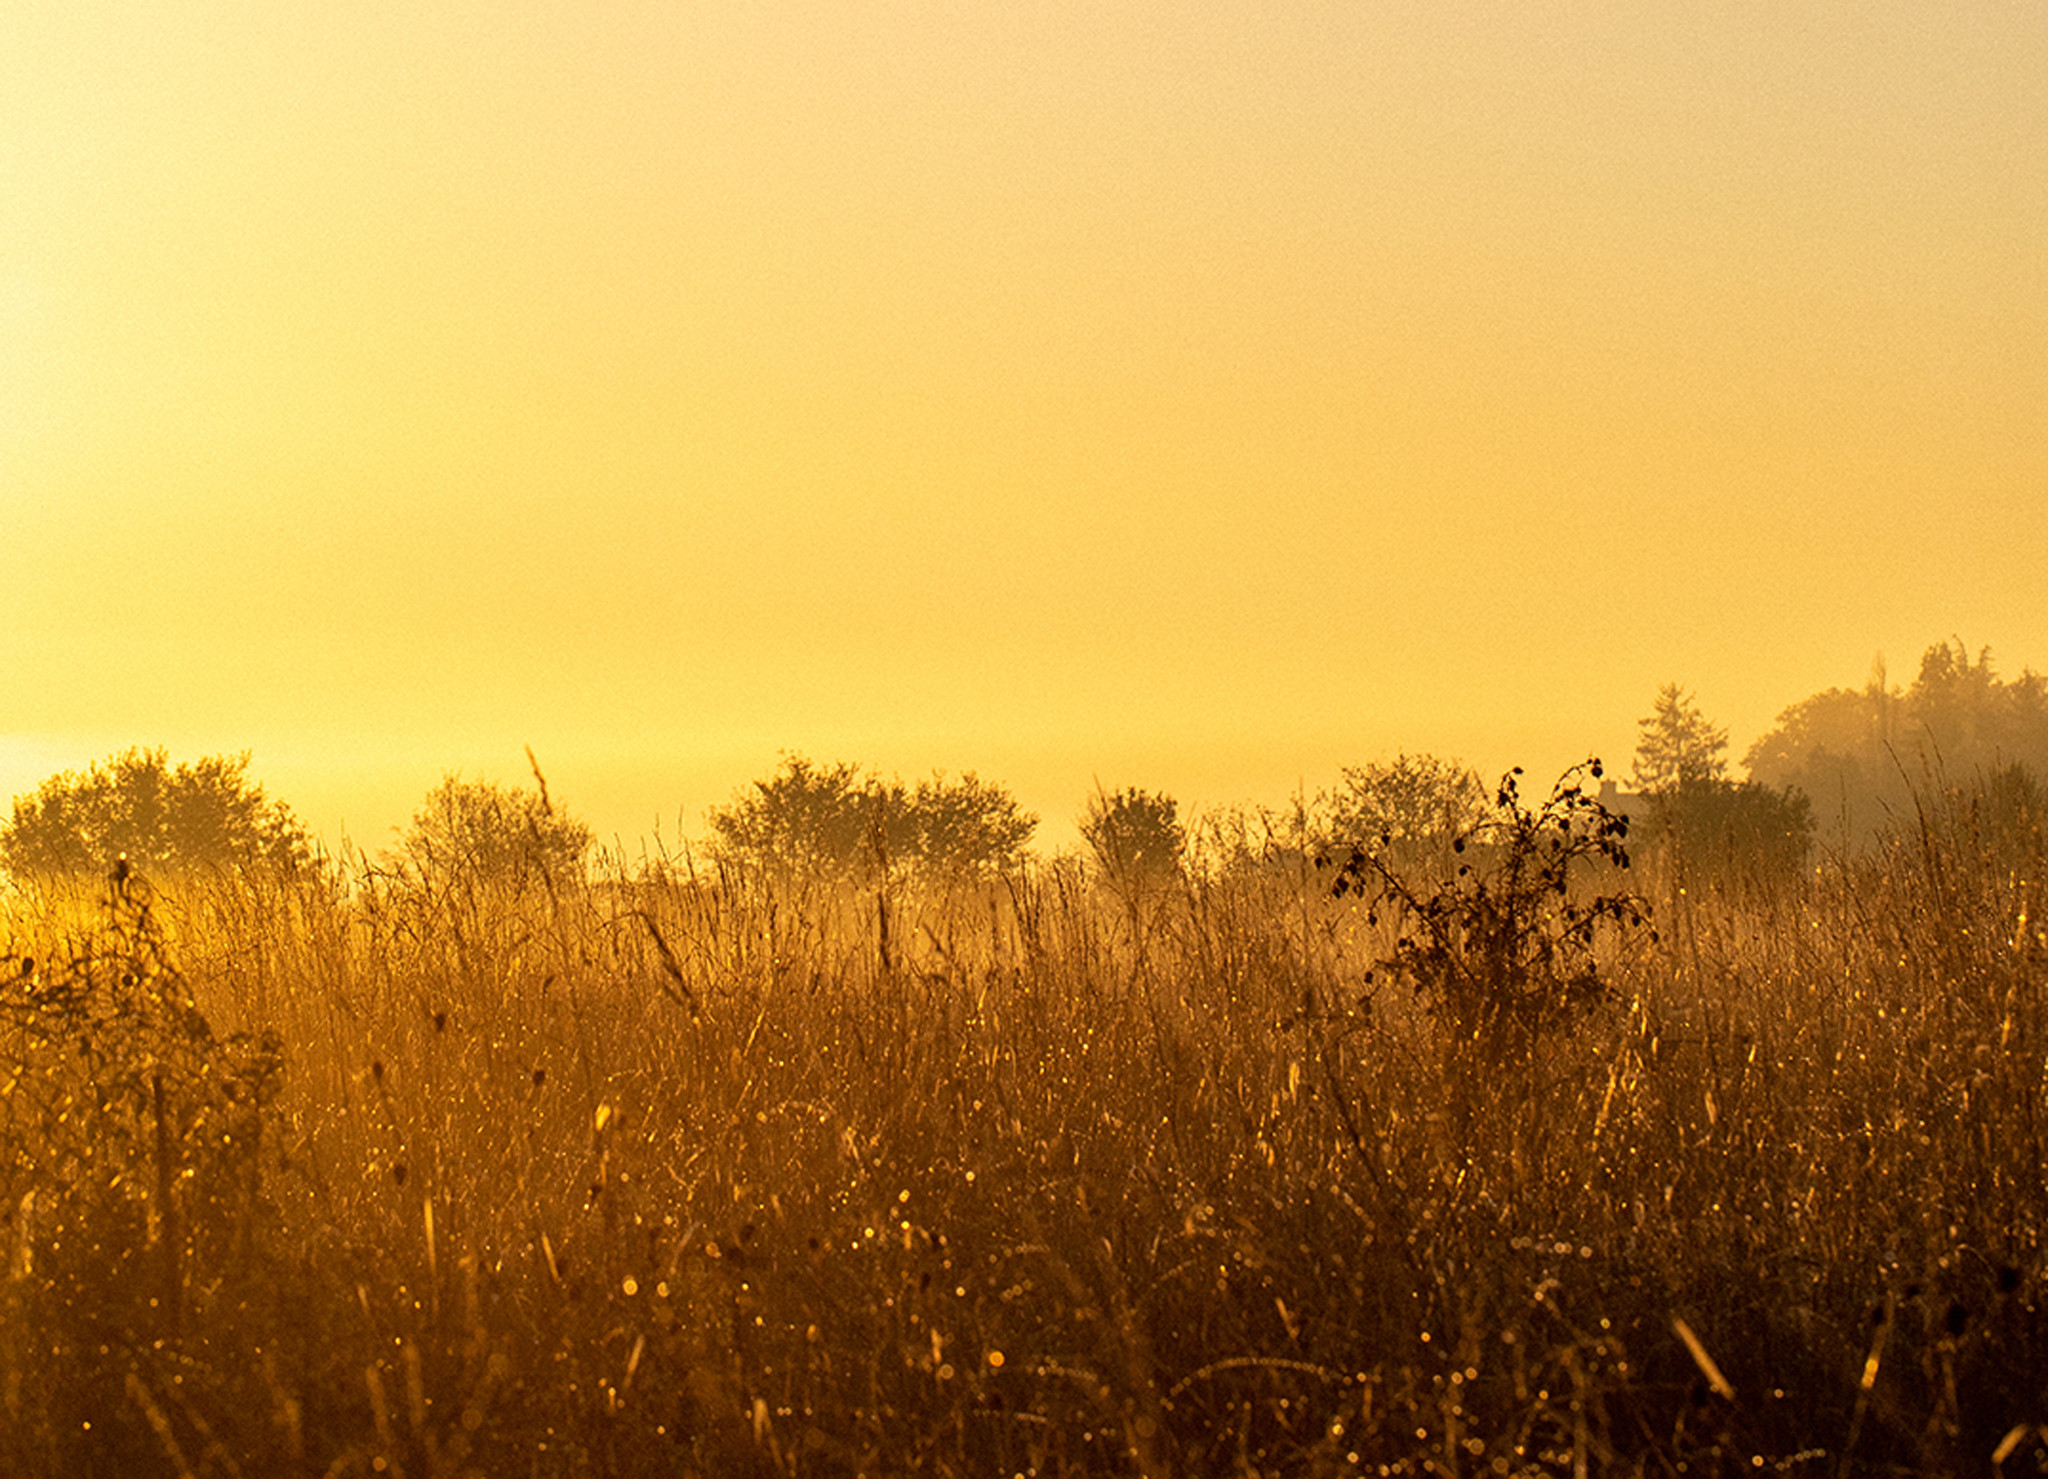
1678, 745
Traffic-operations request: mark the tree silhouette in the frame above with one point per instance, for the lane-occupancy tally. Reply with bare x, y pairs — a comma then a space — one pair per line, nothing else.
968, 826
1411, 798
1862, 755
809, 818
831, 820
1136, 835
137, 810
1678, 744
478, 832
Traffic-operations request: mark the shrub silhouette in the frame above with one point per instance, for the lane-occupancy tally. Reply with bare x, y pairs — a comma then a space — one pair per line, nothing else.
1135, 835
1507, 948
1732, 833
475, 832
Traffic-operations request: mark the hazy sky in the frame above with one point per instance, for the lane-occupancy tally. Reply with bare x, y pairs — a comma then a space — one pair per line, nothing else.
1197, 395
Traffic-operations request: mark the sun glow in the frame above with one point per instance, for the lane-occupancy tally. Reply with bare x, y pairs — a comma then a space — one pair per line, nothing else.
1234, 393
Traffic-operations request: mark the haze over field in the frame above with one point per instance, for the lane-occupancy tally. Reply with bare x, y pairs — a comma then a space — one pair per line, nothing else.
1203, 397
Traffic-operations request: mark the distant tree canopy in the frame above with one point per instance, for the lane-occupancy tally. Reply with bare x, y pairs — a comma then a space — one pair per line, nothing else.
165, 820
1861, 755
830, 820
1411, 798
476, 831
1135, 835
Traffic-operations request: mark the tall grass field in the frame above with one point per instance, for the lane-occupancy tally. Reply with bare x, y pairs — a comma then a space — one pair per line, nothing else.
697, 1170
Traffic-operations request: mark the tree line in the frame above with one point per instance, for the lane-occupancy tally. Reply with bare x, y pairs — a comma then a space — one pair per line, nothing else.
1840, 765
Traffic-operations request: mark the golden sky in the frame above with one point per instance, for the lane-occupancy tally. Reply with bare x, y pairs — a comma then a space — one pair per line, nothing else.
1201, 396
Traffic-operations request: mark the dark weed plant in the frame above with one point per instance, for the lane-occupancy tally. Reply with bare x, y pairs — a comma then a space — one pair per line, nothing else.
135, 1143
1512, 944
670, 1171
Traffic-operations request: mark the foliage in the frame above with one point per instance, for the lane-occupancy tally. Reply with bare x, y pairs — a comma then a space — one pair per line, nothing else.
1507, 948
968, 825
1678, 746
1733, 832
1135, 835
1411, 798
163, 820
477, 831
1861, 755
811, 819
1968, 715
827, 821
136, 1165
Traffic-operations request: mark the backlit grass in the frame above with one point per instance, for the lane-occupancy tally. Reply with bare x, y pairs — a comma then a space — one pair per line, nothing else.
711, 1172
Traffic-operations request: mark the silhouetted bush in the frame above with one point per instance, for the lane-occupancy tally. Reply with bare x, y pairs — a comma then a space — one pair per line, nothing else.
138, 1155
470, 833
164, 820
1135, 835
1729, 833
830, 821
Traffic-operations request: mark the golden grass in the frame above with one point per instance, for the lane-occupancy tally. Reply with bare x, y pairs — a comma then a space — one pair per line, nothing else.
698, 1174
